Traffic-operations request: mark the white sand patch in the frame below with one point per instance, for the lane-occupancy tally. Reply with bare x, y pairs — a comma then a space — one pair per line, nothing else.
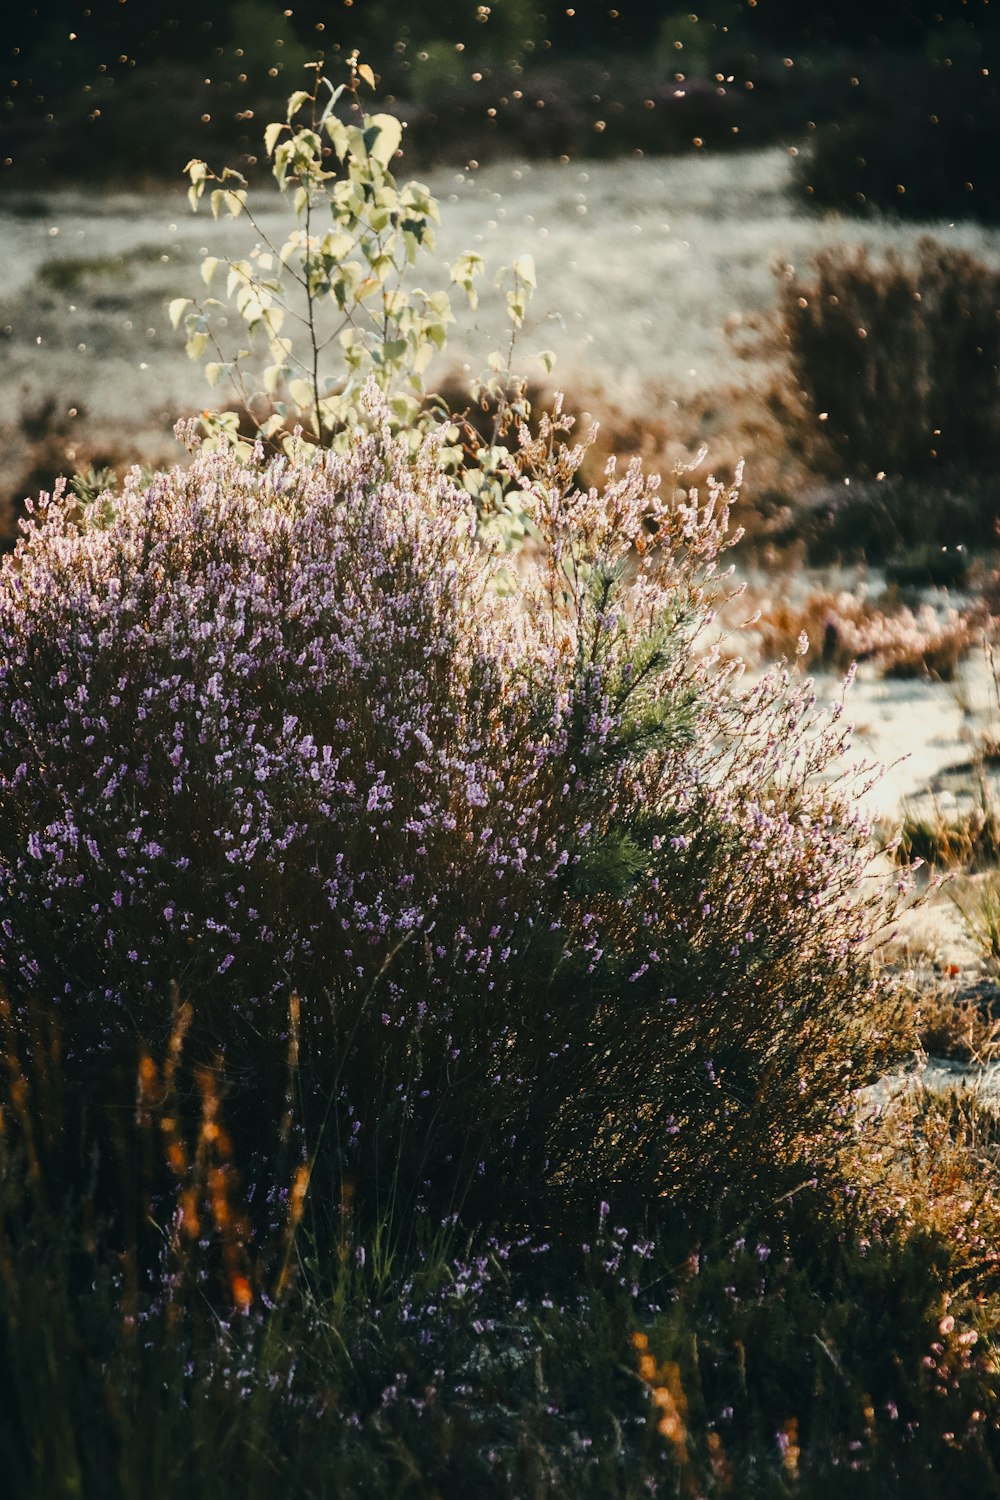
640, 263
918, 729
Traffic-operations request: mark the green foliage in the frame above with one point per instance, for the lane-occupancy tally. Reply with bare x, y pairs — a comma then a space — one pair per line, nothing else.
69, 273
356, 236
263, 37
981, 915
332, 307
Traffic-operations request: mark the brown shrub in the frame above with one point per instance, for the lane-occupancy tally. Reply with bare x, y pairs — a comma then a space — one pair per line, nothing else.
896, 360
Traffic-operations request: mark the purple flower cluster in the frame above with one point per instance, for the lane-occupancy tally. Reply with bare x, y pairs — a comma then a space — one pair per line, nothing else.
547, 881
247, 727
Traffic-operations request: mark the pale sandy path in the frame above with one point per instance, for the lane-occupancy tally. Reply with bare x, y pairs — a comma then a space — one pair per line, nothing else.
640, 263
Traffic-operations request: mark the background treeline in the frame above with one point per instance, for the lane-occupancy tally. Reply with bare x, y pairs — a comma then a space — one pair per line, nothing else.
898, 102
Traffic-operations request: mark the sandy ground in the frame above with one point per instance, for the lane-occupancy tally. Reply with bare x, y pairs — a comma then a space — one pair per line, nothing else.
923, 732
640, 266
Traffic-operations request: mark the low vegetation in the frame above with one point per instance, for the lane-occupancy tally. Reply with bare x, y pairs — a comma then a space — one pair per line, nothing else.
897, 361
841, 628
431, 1015
444, 1024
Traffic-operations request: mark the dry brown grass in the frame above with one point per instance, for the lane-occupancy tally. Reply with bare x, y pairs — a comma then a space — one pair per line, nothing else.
953, 1022
841, 627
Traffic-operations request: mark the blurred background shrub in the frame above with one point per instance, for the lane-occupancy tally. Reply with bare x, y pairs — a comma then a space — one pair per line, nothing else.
106, 90
888, 386
898, 360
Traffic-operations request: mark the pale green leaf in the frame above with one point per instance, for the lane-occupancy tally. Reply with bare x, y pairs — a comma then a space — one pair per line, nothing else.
302, 393
439, 303
336, 244
271, 136
296, 101
176, 310
386, 197
405, 407
382, 135
240, 272
282, 159
331, 103
337, 131
524, 270
516, 307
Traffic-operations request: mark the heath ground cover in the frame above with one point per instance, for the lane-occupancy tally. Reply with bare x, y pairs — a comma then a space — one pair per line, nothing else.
443, 1001
369, 931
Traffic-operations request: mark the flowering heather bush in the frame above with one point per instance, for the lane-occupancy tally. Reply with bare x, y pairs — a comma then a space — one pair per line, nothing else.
545, 900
